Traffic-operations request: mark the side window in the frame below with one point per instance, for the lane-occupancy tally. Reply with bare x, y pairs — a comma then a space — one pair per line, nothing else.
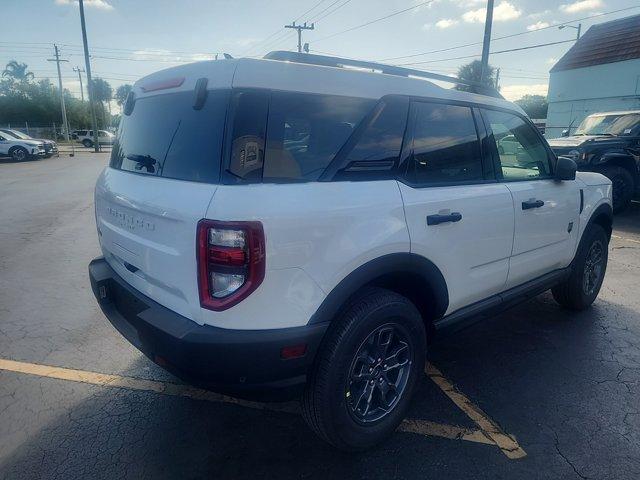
376, 153
249, 129
445, 145
305, 131
520, 150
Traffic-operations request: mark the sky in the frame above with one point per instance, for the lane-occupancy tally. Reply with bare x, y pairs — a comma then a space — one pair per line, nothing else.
131, 38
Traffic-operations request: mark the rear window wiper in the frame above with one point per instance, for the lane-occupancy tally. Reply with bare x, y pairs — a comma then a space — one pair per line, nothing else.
143, 161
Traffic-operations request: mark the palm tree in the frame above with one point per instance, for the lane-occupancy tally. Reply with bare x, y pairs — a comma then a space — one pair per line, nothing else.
102, 92
122, 92
472, 72
17, 71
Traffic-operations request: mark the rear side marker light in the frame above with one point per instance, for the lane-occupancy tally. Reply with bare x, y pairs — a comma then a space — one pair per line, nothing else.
231, 262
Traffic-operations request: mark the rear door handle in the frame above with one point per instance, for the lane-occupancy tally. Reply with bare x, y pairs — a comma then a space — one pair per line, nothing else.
532, 204
439, 218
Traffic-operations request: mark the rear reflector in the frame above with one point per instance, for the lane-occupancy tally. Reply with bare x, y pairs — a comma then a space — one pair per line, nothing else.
293, 351
231, 262
162, 84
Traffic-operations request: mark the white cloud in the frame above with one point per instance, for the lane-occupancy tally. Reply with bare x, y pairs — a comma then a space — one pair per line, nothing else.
99, 4
537, 15
538, 26
581, 6
163, 55
505, 11
515, 92
446, 23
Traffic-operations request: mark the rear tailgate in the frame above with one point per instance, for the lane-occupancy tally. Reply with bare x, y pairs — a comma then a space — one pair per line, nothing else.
163, 173
147, 230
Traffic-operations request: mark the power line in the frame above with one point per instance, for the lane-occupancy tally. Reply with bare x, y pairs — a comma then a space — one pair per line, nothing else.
393, 14
312, 8
332, 11
509, 36
492, 53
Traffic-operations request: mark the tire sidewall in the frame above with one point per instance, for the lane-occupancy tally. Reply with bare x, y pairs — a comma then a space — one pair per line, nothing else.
617, 174
593, 234
351, 433
20, 149
87, 143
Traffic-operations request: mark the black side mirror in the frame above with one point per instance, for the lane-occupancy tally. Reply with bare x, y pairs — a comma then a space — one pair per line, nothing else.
565, 133
566, 169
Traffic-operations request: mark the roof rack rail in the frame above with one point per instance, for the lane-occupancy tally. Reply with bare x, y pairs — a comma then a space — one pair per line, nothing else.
328, 61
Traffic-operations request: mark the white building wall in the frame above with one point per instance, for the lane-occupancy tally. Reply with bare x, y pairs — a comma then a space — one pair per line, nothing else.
574, 94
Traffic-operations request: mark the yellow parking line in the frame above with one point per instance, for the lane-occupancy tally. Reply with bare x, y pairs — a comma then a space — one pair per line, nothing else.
506, 443
420, 427
618, 237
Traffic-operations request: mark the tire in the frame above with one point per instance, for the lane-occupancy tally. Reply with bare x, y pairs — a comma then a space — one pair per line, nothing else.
623, 186
339, 409
19, 154
87, 143
578, 292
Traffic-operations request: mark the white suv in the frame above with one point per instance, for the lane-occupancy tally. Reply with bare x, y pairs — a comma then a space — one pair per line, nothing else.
20, 149
288, 225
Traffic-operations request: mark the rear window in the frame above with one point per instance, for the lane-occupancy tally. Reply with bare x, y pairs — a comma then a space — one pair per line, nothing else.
165, 136
291, 137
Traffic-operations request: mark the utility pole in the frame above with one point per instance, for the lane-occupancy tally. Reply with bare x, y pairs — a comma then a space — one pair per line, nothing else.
62, 105
498, 79
94, 121
486, 44
80, 70
300, 28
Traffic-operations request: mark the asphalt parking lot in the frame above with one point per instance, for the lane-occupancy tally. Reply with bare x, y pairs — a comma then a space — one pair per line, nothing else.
537, 392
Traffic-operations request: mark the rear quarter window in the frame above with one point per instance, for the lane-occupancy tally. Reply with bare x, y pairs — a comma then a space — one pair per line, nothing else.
289, 136
165, 136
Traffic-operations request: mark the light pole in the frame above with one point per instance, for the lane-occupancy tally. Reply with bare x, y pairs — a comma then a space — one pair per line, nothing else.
578, 28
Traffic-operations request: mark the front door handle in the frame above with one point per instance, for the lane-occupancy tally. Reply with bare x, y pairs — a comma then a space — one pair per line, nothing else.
439, 218
532, 204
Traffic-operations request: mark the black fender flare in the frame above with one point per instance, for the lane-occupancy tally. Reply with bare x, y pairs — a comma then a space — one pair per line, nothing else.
395, 263
602, 210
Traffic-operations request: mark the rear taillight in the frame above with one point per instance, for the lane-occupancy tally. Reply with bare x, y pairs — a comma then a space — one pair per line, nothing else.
231, 262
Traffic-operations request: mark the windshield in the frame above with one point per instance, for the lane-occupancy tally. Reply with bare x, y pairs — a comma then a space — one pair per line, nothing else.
621, 124
16, 134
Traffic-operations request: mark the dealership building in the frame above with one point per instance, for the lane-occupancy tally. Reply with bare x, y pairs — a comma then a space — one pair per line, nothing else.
600, 73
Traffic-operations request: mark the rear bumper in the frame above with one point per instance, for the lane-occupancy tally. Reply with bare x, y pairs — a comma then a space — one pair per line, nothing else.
244, 363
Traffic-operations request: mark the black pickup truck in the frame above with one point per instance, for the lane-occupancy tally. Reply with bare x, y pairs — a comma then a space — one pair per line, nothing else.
607, 143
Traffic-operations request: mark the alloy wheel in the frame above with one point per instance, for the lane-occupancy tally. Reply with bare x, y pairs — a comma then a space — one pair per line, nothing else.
593, 267
379, 373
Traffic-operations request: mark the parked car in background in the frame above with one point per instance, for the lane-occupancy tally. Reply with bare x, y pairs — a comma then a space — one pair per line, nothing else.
85, 137
50, 147
413, 221
19, 149
607, 143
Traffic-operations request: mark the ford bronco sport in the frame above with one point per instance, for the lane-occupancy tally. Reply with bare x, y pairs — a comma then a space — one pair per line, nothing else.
288, 225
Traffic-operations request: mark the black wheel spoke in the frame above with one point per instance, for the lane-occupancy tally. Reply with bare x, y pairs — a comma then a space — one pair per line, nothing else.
379, 373
397, 358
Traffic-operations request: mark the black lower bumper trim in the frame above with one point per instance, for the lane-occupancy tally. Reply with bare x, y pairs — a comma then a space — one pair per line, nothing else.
244, 363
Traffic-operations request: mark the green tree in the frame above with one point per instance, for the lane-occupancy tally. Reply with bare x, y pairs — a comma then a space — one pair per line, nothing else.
535, 106
102, 92
17, 71
23, 100
121, 93
472, 72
